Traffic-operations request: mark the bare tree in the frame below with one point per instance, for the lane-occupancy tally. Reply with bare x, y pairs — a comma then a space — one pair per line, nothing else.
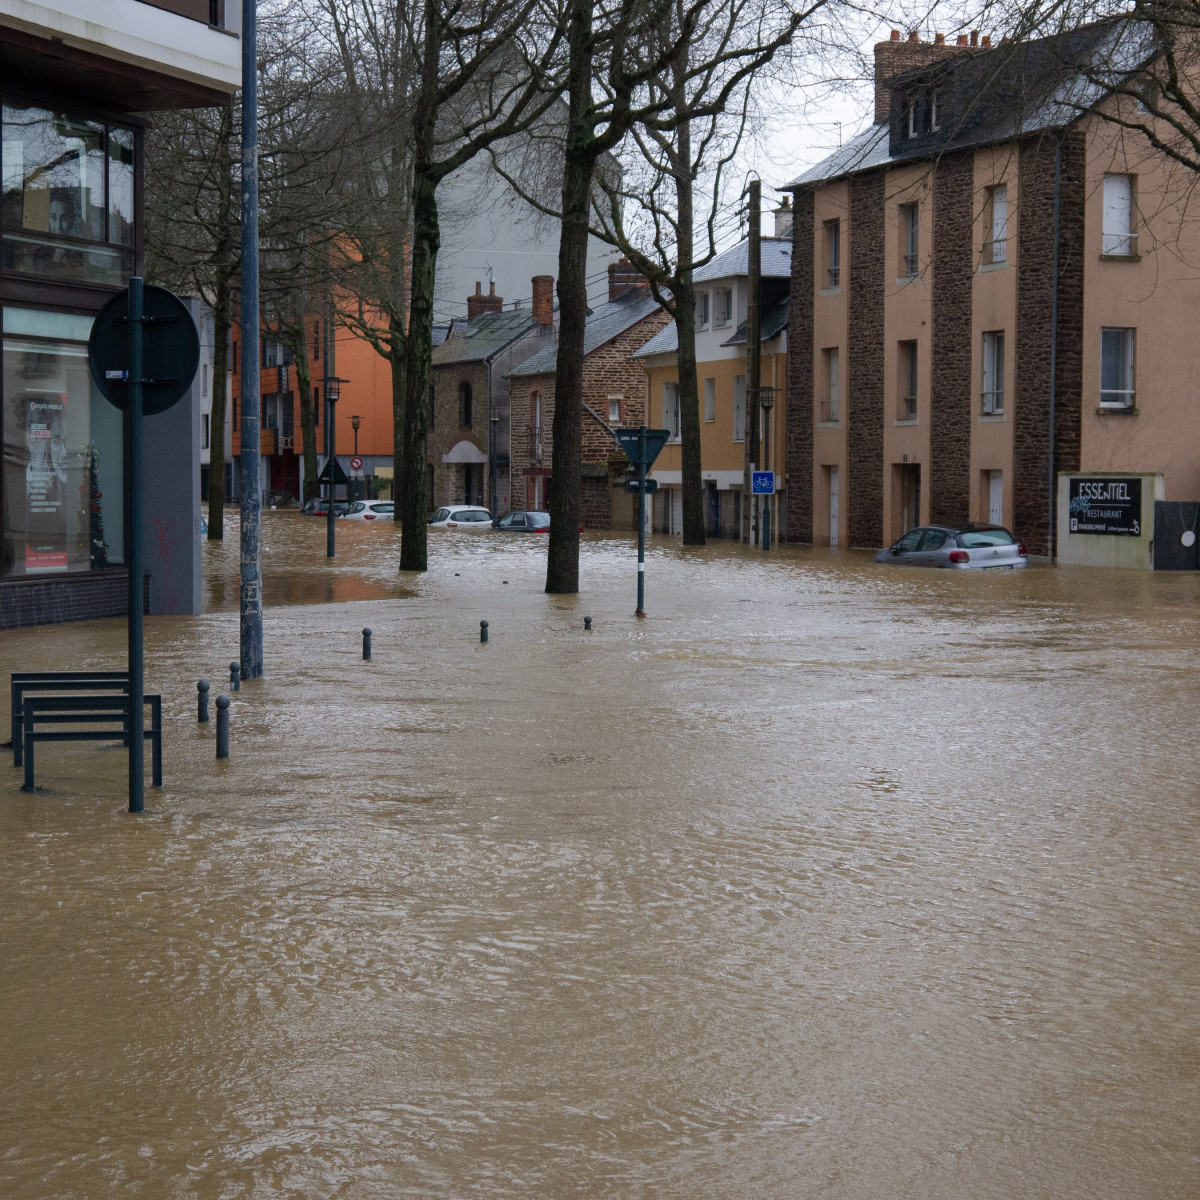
654, 65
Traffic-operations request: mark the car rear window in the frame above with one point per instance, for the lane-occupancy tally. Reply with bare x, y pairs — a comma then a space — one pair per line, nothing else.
540, 518
985, 537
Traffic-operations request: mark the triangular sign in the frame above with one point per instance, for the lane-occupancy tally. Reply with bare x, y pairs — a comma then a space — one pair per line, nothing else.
630, 441
339, 475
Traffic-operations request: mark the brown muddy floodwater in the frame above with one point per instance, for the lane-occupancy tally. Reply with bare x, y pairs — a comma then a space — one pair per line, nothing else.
828, 880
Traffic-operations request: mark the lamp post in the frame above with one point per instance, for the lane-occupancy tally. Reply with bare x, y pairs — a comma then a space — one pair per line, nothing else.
355, 422
766, 398
333, 391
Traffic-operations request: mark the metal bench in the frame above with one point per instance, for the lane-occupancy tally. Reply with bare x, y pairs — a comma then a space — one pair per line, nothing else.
57, 681
43, 719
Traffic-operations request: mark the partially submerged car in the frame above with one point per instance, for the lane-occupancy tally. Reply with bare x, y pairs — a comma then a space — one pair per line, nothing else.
462, 516
964, 547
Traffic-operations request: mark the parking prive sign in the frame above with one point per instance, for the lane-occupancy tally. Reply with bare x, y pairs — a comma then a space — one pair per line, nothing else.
1105, 505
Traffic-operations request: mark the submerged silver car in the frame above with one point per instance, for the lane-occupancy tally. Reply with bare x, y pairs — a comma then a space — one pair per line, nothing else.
964, 547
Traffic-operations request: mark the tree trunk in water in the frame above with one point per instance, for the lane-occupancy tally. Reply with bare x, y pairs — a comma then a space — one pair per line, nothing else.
396, 363
417, 362
689, 408
216, 421
308, 426
562, 560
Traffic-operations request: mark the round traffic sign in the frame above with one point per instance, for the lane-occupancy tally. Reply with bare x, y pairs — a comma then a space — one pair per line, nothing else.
356, 463
170, 353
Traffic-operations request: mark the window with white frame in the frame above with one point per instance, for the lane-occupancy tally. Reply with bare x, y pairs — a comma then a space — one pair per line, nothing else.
910, 240
995, 248
831, 405
833, 254
702, 310
614, 409
739, 408
1116, 368
908, 381
670, 403
710, 399
1119, 239
993, 373
722, 307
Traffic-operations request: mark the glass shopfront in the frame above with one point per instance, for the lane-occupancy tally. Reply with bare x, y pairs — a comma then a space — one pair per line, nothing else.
66, 197
67, 240
62, 472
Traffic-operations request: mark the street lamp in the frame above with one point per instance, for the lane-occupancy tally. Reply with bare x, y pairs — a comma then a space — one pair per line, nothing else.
355, 422
766, 398
333, 391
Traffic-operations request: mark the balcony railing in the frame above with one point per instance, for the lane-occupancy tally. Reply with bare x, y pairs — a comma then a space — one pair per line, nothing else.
268, 441
906, 410
829, 414
536, 445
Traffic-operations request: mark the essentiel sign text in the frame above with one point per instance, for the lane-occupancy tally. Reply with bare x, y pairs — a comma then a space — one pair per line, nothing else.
1106, 505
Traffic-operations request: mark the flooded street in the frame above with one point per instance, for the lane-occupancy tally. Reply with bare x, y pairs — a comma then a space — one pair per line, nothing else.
827, 880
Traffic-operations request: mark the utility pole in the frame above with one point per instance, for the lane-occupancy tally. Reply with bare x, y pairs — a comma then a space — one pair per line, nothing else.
251, 611
753, 356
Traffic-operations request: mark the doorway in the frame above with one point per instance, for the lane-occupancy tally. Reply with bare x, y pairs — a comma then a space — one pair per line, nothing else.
910, 496
834, 504
995, 482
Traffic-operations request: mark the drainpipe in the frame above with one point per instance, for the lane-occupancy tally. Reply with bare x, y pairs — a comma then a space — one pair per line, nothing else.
1054, 339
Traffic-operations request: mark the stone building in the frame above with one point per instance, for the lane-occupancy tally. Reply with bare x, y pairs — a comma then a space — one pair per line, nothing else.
469, 428
614, 394
990, 292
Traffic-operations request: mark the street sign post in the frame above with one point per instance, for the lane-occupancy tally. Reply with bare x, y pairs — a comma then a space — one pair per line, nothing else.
642, 447
143, 354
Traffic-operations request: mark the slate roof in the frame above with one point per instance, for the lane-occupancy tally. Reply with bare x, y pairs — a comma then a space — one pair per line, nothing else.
772, 322
776, 261
994, 95
484, 337
604, 324
666, 340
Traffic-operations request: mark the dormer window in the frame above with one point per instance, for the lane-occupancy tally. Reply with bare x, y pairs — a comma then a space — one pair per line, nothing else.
921, 114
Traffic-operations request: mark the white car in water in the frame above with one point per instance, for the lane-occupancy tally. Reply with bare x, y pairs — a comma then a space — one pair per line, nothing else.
462, 516
369, 510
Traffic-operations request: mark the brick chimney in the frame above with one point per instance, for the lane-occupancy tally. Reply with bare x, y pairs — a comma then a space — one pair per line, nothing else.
479, 303
622, 278
543, 299
895, 57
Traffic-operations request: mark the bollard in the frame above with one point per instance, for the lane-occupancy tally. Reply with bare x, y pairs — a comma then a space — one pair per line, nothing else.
222, 726
367, 645
202, 702
483, 628
587, 622
235, 676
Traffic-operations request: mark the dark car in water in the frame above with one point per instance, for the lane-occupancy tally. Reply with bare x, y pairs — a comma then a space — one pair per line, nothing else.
964, 547
524, 522
319, 507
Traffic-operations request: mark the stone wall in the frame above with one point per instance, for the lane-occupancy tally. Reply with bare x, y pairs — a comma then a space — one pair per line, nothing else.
1044, 352
798, 459
865, 366
952, 393
446, 432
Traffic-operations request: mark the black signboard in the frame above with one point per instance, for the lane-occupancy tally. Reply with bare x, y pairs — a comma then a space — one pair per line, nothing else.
1105, 504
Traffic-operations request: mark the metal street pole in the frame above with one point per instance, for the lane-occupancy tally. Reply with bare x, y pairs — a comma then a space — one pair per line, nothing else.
133, 551
251, 615
355, 422
492, 464
641, 605
331, 398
